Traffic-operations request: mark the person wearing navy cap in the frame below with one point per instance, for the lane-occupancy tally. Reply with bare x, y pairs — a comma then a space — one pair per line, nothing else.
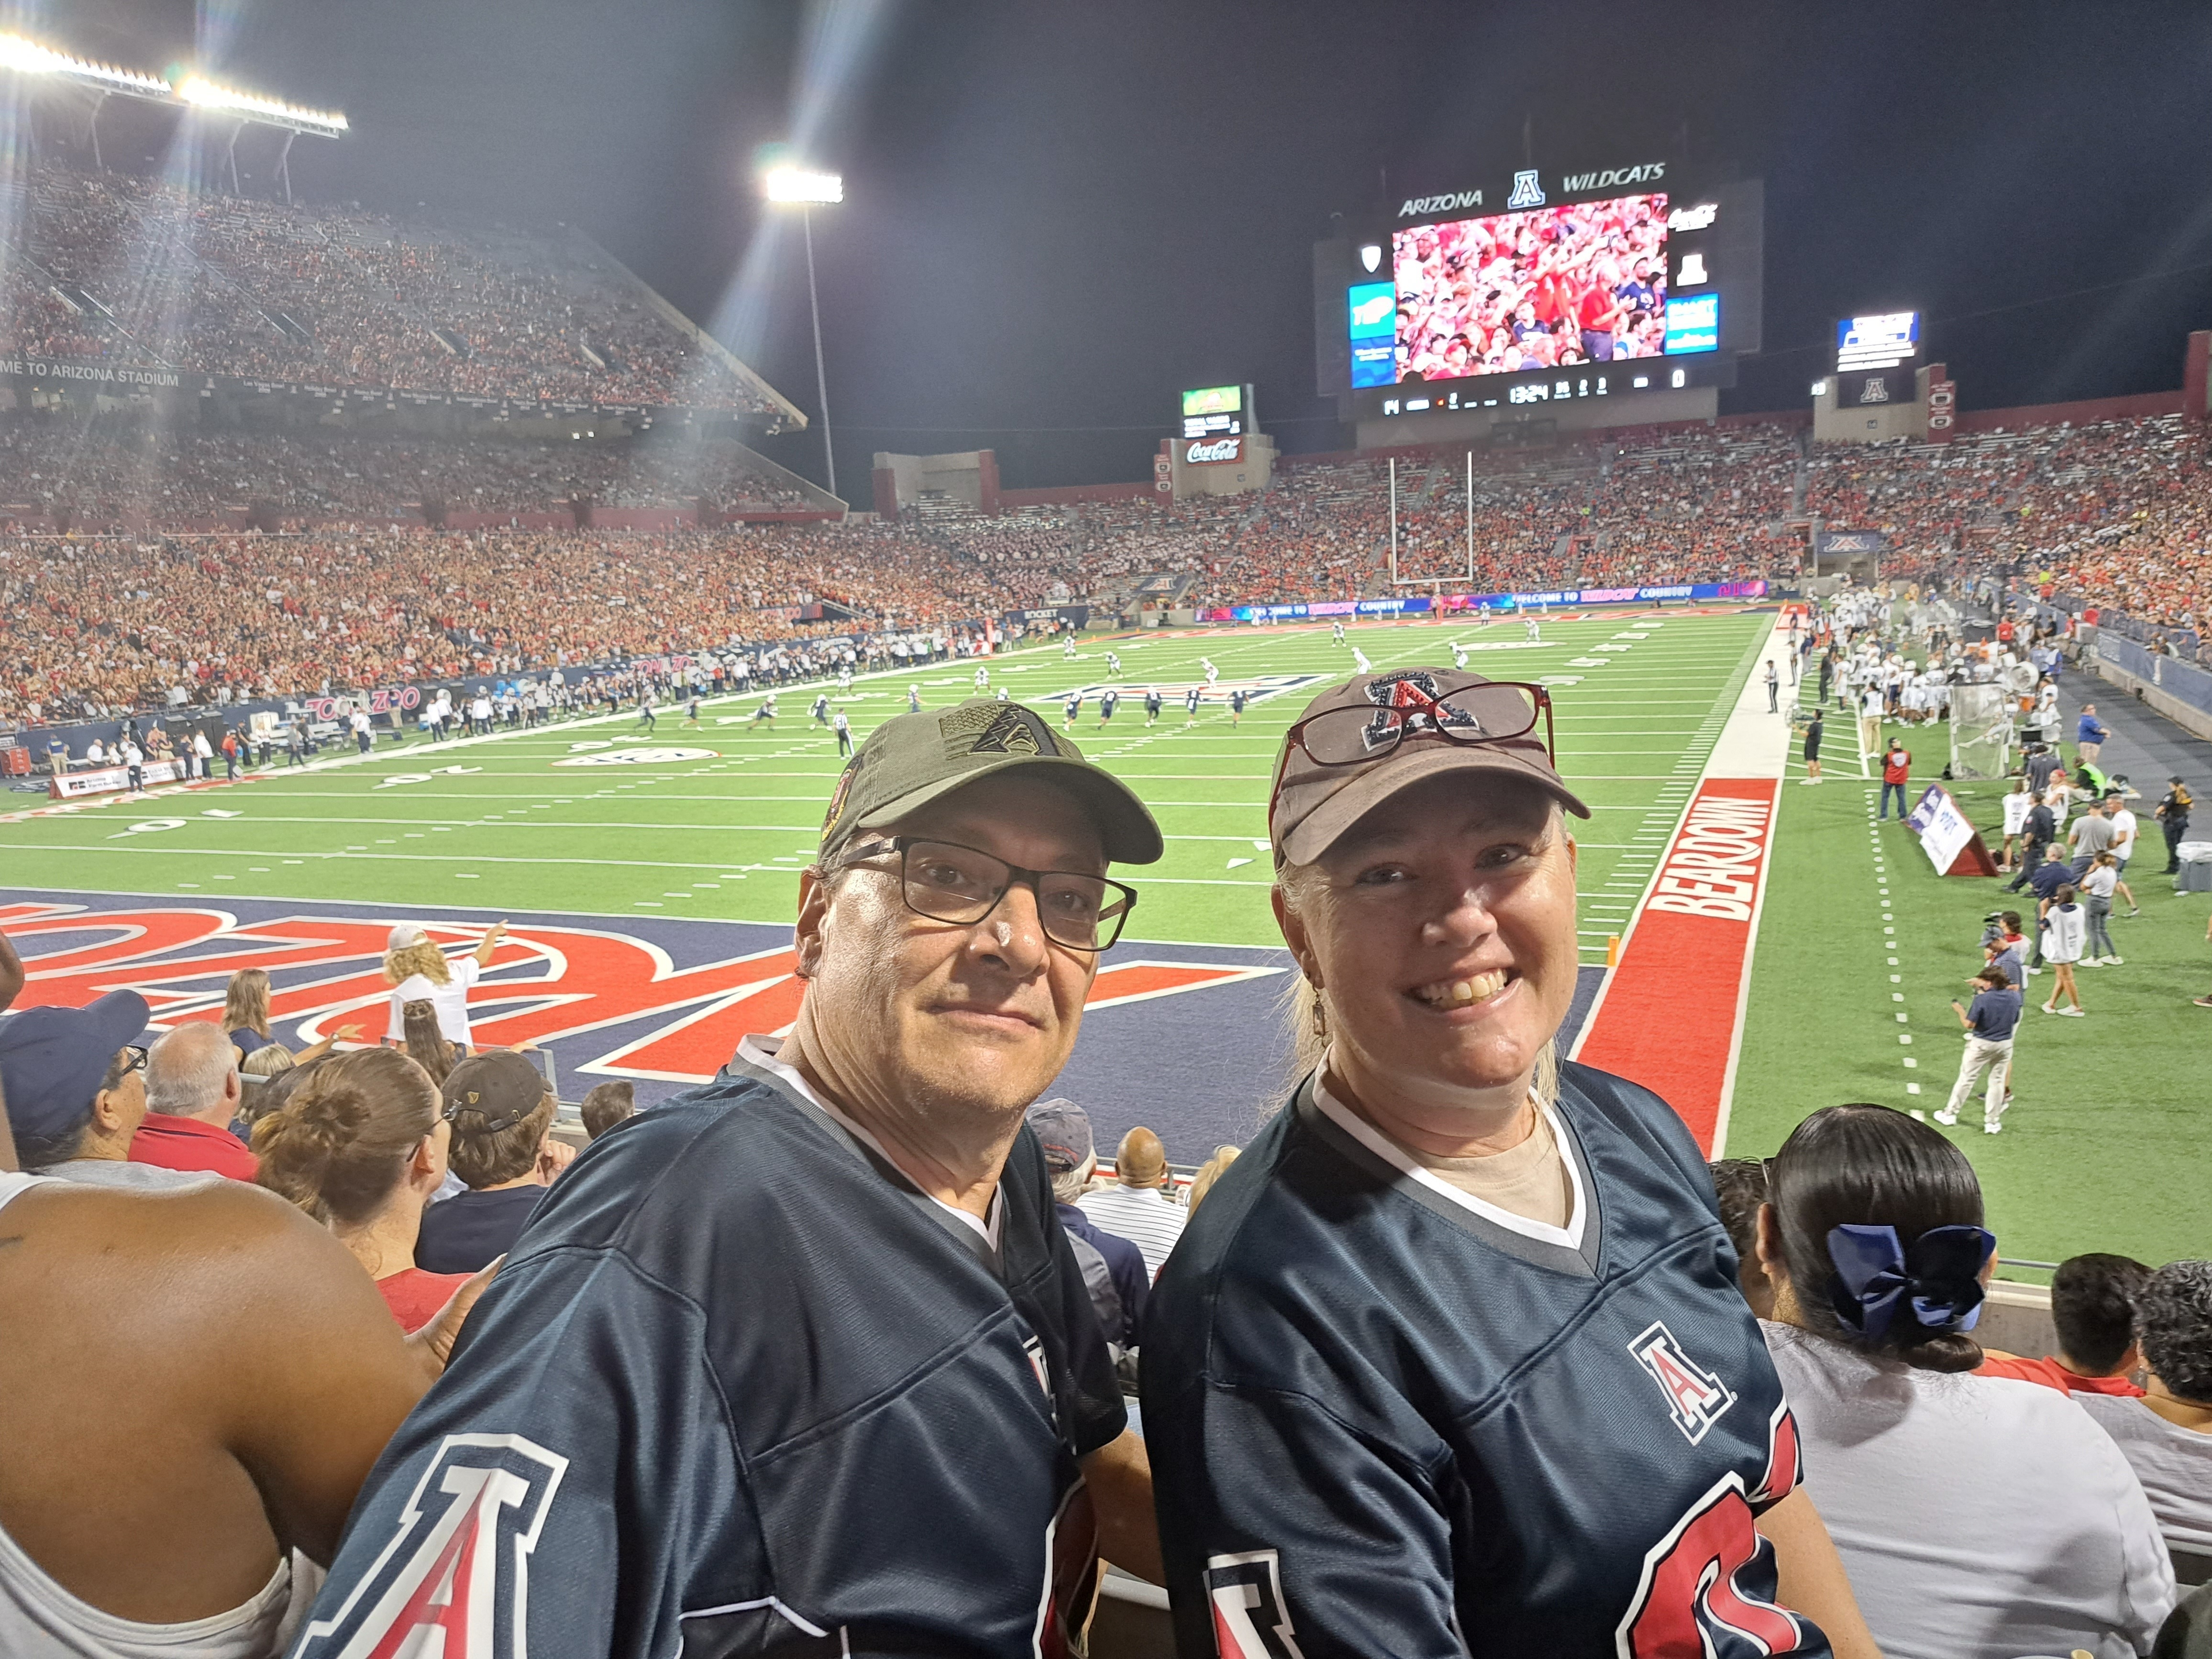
76, 1084
1113, 1268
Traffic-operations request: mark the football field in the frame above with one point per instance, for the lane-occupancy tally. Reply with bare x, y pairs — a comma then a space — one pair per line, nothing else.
651, 879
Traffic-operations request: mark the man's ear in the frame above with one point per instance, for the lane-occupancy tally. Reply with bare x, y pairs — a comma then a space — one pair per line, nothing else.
814, 900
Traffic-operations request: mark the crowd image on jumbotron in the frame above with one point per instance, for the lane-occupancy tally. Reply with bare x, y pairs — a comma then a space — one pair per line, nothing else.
1545, 289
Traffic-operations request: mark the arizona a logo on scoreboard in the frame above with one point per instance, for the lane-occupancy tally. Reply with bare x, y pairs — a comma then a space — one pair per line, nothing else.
455, 1578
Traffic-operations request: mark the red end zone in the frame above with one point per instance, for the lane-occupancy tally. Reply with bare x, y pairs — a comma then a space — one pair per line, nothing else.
1671, 1015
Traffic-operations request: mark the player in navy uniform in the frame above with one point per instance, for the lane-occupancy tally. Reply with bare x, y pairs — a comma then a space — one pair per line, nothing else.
1074, 708
801, 1362
1452, 1358
1190, 704
1107, 700
1236, 707
1152, 704
821, 708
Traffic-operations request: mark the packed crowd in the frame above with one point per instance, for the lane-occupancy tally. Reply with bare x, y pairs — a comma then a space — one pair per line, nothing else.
81, 476
864, 1305
135, 270
2109, 508
117, 625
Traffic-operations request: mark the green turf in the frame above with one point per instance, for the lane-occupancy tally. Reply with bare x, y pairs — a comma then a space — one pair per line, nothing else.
725, 836
2108, 1120
2095, 1155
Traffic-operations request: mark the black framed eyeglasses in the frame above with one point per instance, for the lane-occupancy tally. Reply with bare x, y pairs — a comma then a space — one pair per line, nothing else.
1496, 711
136, 1063
947, 882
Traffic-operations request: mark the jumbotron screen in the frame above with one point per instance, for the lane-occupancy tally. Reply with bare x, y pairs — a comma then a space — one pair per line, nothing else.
1554, 288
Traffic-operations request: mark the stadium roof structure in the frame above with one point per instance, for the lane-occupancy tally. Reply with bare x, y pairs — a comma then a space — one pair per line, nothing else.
190, 93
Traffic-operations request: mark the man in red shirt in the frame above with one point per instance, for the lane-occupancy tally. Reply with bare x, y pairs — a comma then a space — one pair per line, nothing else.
192, 1092
1896, 769
2092, 1306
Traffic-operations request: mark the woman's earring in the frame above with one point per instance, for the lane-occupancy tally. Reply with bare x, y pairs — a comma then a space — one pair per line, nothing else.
1320, 1014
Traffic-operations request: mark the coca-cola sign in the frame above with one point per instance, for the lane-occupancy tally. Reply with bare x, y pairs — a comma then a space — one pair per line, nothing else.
1213, 451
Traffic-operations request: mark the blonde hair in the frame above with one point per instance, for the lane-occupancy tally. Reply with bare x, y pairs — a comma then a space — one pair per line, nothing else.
1209, 1172
267, 1061
421, 958
246, 1003
1305, 1010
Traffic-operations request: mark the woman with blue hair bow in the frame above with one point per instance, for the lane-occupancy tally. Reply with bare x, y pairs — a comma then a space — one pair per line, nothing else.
1978, 1517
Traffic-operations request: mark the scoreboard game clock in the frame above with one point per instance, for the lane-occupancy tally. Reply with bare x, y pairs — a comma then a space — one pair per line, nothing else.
1216, 412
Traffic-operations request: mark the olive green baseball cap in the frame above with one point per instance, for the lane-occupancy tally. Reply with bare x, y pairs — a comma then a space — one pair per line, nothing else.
912, 760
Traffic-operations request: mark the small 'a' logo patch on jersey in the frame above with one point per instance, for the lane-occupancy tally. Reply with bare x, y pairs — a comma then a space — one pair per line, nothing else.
455, 1578
1245, 1592
1695, 1397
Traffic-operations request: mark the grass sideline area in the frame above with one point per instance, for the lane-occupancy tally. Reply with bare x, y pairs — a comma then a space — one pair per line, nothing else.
2103, 1104
575, 817
2108, 1114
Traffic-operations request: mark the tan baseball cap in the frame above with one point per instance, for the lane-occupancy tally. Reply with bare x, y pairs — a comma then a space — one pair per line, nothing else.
910, 760
1388, 730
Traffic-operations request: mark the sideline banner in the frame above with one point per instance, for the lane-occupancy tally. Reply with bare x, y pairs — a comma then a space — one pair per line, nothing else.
1564, 596
107, 780
1953, 846
1672, 1012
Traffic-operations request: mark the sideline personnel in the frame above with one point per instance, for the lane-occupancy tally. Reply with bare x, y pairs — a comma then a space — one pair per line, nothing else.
802, 1360
1453, 1360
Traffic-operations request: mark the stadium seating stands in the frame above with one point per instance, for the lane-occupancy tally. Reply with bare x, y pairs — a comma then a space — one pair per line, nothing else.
2108, 515
139, 271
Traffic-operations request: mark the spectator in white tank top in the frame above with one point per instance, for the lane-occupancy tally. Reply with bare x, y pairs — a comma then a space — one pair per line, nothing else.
246, 1375
1978, 1517
417, 970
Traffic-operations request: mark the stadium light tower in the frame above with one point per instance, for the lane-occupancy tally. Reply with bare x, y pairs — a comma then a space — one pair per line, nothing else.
809, 190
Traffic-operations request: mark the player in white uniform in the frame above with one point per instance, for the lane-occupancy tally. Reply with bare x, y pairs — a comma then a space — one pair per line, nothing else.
1067, 647
1535, 634
1360, 657
1114, 662
1212, 672
1336, 632
1459, 654
982, 677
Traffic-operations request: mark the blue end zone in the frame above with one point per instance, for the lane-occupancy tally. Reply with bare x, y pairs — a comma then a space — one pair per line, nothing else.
1202, 1065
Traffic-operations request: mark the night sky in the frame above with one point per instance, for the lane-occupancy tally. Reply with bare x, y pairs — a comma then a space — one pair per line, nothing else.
1057, 214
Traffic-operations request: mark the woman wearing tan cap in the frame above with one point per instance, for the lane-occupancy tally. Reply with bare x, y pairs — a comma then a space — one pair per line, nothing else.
1453, 1358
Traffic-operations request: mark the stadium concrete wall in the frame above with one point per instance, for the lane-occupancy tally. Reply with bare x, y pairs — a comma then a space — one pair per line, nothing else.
1073, 494
2142, 406
2179, 690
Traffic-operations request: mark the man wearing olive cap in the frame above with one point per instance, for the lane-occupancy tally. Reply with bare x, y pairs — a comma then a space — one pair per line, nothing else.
803, 1360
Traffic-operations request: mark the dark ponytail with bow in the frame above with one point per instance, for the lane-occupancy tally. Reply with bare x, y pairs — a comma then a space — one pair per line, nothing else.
1881, 1224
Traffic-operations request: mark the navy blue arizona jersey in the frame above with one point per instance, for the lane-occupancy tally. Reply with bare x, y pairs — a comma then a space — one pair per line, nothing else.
1190, 699
743, 1388
1236, 702
1385, 1418
1074, 704
1152, 702
1106, 703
